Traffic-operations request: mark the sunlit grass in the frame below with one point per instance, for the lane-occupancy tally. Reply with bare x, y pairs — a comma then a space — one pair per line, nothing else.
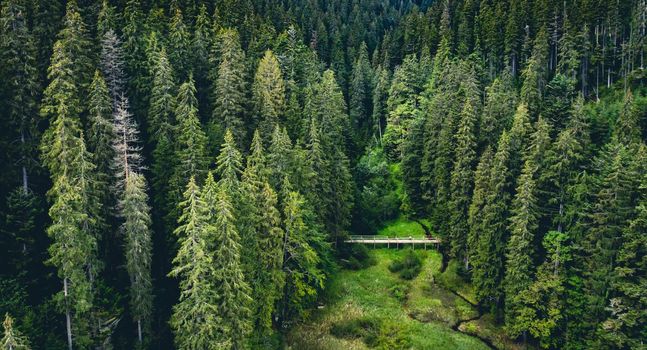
366, 294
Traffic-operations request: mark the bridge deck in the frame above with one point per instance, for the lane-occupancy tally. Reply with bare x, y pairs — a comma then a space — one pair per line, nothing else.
396, 241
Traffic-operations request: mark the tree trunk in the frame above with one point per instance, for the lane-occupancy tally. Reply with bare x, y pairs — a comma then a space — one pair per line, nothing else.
139, 330
68, 317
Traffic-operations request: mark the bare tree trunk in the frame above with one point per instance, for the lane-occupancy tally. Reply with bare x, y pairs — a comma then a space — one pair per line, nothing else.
139, 330
25, 181
68, 317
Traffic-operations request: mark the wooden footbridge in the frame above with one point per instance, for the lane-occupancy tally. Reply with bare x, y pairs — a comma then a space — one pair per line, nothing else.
394, 242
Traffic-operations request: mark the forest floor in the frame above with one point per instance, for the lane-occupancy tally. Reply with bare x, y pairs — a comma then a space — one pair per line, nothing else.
375, 308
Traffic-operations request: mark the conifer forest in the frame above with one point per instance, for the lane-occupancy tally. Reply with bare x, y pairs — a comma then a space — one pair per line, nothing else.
193, 175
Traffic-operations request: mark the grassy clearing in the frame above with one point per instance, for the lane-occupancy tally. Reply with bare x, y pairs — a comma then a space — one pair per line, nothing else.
362, 311
402, 227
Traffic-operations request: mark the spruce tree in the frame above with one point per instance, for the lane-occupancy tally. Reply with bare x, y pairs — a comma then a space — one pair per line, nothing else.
336, 179
462, 180
479, 196
229, 165
179, 45
267, 283
13, 338
229, 85
520, 250
21, 86
74, 210
191, 140
627, 303
196, 320
268, 94
488, 262
136, 225
231, 288
361, 98
75, 39
499, 107
304, 250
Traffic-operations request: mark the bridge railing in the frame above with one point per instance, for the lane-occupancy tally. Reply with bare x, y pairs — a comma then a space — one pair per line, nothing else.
376, 238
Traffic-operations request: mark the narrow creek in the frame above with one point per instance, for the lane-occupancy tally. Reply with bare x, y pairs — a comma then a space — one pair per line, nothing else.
443, 267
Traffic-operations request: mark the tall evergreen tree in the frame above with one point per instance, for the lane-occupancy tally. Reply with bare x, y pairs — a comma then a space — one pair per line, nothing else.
231, 287
488, 262
268, 281
136, 229
520, 250
361, 98
229, 85
196, 320
268, 94
74, 206
179, 45
21, 88
462, 180
627, 298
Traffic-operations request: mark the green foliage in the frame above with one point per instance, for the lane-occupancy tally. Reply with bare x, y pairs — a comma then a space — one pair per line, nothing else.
408, 267
12, 339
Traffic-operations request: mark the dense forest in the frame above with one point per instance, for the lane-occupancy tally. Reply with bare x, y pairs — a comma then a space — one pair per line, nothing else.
183, 173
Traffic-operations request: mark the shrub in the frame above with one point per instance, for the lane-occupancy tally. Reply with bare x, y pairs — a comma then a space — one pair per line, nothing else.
408, 267
355, 257
400, 292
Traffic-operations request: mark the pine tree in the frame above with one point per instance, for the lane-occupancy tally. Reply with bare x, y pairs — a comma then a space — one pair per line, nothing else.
488, 260
13, 339
191, 140
303, 254
627, 304
379, 98
499, 107
21, 88
280, 156
107, 19
74, 210
136, 229
627, 126
563, 160
162, 101
231, 288
75, 39
229, 165
336, 179
520, 250
401, 104
481, 190
229, 85
461, 181
542, 304
612, 209
196, 320
161, 135
101, 134
361, 98
269, 279
179, 42
268, 94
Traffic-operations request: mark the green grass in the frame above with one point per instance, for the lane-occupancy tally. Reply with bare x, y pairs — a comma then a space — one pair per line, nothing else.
366, 296
402, 227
